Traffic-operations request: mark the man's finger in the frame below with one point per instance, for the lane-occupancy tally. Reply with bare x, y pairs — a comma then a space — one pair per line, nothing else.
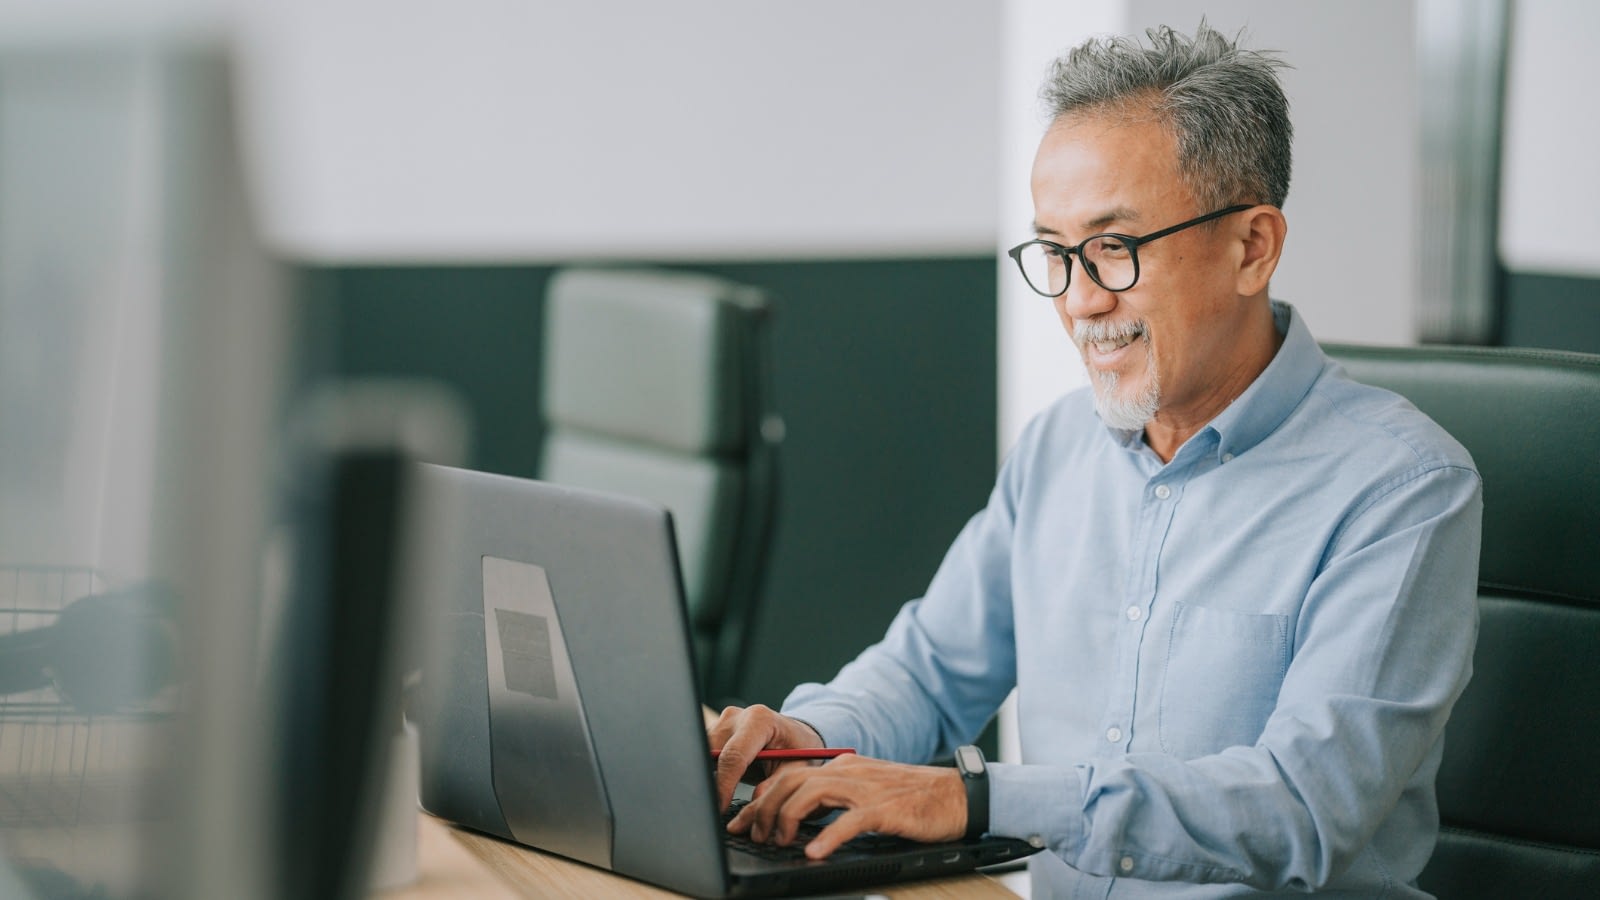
848, 825
770, 799
723, 727
819, 792
733, 762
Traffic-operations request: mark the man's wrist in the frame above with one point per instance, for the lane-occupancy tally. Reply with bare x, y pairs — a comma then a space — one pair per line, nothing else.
814, 730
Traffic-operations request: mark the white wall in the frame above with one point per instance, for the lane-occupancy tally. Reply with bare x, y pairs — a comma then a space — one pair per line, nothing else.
1037, 361
1550, 187
502, 129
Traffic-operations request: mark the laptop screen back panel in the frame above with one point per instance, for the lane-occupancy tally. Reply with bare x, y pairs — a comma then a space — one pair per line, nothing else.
451, 705
544, 763
610, 567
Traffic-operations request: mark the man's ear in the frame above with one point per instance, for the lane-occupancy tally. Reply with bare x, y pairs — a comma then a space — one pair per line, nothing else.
1262, 229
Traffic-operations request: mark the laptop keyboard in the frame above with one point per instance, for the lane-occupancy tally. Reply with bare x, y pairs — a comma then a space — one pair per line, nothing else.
861, 845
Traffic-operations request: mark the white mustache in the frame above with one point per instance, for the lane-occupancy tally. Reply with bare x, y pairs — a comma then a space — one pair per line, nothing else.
1094, 331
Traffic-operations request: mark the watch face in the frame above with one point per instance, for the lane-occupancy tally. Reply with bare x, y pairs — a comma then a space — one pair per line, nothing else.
970, 759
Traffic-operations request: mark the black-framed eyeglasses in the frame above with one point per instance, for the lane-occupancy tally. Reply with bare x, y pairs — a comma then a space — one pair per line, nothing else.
1112, 260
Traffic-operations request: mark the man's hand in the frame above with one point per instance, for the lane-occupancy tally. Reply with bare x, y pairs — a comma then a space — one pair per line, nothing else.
926, 803
742, 733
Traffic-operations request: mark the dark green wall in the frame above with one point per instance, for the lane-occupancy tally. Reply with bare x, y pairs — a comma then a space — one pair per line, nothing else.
476, 329
885, 377
1558, 312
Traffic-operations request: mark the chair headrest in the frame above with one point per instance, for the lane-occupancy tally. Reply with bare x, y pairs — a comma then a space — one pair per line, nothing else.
650, 355
1531, 420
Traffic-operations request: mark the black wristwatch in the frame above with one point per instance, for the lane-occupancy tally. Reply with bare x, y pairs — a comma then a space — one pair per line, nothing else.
975, 775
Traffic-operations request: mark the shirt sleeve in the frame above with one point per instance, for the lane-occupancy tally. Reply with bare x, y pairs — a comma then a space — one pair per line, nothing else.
1382, 649
947, 661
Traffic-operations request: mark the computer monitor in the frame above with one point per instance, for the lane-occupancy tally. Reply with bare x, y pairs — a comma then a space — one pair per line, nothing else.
143, 329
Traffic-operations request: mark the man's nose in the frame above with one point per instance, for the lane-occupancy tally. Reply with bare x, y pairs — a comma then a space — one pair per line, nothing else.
1085, 298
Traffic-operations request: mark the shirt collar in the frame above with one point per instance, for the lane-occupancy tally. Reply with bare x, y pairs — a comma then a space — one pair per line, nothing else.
1264, 405
1267, 402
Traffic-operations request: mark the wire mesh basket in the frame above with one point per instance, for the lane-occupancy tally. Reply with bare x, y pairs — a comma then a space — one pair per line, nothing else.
60, 765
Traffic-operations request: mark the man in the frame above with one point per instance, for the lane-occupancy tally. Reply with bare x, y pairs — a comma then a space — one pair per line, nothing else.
1233, 588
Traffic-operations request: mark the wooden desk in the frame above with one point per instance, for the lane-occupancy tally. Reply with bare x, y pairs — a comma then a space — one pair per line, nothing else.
464, 865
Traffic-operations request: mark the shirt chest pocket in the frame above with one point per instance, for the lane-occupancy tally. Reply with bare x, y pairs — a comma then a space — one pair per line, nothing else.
1221, 679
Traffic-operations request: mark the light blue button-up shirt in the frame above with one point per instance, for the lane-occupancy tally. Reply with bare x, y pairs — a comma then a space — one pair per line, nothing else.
1233, 670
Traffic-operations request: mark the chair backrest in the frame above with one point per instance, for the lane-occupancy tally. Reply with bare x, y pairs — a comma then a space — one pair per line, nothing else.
1519, 786
656, 384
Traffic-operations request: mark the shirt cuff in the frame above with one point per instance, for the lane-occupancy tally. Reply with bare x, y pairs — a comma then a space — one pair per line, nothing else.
835, 727
1042, 805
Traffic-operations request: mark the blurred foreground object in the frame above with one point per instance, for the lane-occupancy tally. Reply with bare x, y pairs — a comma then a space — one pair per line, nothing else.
142, 335
151, 742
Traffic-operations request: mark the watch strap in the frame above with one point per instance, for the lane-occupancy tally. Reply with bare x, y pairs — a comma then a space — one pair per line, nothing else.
975, 777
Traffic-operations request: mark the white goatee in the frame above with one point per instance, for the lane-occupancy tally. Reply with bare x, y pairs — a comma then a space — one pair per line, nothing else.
1121, 413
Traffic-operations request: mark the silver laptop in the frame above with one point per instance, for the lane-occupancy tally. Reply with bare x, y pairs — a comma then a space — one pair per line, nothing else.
558, 707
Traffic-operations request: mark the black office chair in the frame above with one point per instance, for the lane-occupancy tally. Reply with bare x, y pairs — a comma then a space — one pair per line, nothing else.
1519, 787
656, 384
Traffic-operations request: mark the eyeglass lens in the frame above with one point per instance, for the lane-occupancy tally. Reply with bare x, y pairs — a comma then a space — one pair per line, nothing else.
1107, 259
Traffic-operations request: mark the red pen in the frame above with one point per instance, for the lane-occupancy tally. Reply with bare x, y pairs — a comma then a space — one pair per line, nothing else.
799, 753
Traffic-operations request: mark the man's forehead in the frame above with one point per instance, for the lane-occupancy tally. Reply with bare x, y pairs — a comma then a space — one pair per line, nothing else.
1104, 172
1105, 120
1088, 222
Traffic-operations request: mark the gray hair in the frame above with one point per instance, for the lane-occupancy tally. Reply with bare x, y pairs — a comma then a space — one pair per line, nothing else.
1223, 105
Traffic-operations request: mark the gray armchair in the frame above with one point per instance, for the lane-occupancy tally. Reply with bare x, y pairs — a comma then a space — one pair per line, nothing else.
1519, 786
656, 385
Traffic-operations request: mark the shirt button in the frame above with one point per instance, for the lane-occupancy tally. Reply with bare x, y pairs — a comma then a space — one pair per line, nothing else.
1227, 457
1125, 864
1135, 614
1163, 492
1035, 842
1114, 734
